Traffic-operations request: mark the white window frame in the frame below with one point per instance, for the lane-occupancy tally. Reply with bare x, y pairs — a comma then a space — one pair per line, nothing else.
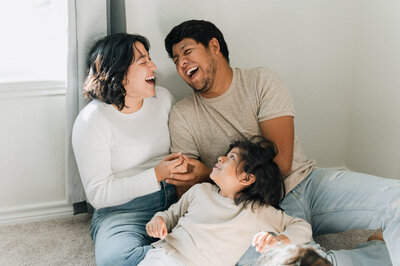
32, 89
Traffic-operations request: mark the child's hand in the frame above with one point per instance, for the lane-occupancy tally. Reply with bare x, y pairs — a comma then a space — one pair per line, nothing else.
264, 240
157, 228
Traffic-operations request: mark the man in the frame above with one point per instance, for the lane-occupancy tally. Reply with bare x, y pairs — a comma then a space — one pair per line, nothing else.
231, 103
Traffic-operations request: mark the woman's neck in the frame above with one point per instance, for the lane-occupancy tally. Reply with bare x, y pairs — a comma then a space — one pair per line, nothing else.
132, 105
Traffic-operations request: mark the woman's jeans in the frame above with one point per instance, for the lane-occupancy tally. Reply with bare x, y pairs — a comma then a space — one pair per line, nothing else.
119, 232
339, 201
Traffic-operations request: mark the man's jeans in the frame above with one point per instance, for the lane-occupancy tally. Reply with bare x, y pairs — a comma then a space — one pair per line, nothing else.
119, 232
339, 201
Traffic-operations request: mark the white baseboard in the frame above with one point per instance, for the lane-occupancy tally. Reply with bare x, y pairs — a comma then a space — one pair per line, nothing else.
35, 212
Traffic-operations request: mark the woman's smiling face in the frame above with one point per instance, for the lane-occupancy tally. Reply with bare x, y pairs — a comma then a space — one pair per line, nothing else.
139, 79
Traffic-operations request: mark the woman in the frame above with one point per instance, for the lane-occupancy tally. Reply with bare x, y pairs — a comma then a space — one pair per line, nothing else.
119, 141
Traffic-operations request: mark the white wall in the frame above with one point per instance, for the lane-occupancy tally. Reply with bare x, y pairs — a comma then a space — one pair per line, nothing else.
309, 42
32, 183
374, 132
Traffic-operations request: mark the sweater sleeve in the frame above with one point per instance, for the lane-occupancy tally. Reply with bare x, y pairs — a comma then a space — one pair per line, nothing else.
177, 210
93, 156
296, 229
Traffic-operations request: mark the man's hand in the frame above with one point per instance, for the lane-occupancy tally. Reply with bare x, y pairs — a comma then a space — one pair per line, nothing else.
197, 173
264, 240
173, 163
157, 228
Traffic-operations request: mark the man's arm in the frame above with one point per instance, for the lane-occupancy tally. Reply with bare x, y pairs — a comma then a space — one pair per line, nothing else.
281, 131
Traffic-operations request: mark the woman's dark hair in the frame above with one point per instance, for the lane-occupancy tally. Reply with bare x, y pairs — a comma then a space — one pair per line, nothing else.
257, 157
108, 62
201, 31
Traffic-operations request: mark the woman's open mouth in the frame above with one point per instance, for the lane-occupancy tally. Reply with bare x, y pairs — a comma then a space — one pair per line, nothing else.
151, 80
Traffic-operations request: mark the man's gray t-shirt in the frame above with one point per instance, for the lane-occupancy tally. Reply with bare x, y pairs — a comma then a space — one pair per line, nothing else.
204, 128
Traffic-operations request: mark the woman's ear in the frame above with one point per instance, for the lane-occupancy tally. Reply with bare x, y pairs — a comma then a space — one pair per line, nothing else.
246, 179
125, 81
214, 46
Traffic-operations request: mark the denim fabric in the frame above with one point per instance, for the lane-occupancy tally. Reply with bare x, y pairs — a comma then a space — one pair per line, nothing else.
119, 232
339, 201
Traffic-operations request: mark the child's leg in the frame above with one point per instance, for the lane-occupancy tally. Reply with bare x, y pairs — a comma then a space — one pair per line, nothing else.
158, 257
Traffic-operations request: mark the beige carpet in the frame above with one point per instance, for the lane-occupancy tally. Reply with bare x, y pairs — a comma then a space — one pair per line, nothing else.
67, 242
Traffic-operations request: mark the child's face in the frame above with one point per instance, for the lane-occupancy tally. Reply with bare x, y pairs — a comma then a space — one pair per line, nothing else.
227, 172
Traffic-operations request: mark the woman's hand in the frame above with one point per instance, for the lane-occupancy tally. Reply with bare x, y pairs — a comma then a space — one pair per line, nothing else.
157, 228
172, 164
264, 240
197, 172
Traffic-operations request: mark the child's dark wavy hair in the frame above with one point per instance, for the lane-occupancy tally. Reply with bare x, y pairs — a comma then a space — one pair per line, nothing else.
258, 155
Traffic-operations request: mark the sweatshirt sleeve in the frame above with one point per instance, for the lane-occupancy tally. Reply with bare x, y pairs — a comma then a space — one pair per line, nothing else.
93, 156
178, 209
296, 229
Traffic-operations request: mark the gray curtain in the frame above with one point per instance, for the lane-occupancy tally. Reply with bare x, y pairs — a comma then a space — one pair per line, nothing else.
88, 21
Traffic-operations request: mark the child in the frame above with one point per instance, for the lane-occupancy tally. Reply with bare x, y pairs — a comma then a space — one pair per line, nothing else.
292, 255
215, 225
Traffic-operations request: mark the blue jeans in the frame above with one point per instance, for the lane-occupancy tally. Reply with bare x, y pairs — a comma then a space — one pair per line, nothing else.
339, 201
119, 232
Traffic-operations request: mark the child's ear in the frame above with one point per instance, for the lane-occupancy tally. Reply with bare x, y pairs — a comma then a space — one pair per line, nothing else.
247, 179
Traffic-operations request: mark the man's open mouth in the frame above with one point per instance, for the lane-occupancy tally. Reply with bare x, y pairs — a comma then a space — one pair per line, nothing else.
192, 71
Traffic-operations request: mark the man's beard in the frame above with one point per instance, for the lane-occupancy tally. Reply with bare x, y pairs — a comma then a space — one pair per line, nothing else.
209, 81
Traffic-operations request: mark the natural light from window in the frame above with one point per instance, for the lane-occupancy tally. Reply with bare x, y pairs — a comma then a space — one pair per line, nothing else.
34, 40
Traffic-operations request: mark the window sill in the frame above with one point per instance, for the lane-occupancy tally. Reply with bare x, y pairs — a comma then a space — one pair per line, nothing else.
32, 88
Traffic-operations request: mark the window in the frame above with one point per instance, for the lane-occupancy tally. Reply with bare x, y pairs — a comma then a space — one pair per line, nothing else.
34, 40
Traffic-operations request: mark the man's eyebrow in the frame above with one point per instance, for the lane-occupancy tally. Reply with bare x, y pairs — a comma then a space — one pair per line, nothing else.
182, 47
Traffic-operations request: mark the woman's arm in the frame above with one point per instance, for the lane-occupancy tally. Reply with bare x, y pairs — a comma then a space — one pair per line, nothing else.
91, 143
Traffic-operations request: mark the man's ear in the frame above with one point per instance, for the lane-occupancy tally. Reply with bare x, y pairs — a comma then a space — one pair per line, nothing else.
246, 179
213, 44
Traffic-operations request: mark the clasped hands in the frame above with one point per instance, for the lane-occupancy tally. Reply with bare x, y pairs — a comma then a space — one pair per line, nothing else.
181, 171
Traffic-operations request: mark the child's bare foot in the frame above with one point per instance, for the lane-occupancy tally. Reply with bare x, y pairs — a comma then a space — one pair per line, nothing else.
376, 236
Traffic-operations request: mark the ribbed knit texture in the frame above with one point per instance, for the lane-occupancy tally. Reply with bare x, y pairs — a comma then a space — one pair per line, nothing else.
116, 153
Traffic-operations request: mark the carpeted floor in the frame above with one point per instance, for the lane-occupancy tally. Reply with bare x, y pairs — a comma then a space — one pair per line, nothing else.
67, 242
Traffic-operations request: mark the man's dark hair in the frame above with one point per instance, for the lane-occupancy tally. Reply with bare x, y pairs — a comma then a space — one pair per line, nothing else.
108, 62
258, 155
201, 31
